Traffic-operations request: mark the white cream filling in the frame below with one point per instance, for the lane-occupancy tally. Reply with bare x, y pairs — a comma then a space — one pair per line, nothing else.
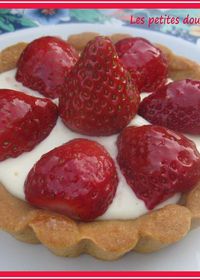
13, 172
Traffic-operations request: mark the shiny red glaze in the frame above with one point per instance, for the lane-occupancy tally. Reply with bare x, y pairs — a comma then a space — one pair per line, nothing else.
24, 122
77, 179
146, 63
176, 106
44, 64
99, 97
157, 162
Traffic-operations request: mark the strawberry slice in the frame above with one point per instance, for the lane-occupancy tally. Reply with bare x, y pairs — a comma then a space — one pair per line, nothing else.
157, 162
146, 63
77, 179
176, 106
44, 65
99, 97
24, 122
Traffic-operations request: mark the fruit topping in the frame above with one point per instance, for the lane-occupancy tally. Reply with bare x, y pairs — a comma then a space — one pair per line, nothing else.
145, 62
157, 162
176, 106
77, 179
98, 96
24, 122
44, 64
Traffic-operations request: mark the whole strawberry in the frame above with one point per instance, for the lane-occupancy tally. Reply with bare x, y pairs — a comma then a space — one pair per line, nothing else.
157, 162
24, 122
99, 97
146, 63
176, 106
77, 179
44, 64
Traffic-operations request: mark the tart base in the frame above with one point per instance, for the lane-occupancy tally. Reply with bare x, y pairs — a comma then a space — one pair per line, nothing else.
107, 240
179, 66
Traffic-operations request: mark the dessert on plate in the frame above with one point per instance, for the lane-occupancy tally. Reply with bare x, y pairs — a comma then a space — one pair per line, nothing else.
98, 144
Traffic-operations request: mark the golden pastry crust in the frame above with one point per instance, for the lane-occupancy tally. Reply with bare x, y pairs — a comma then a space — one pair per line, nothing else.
179, 67
107, 240
10, 56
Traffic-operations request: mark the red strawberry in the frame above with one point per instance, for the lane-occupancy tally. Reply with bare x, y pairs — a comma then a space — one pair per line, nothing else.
176, 106
157, 162
44, 64
145, 62
98, 97
24, 122
77, 179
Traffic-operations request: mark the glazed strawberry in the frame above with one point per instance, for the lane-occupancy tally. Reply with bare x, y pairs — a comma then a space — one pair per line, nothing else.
176, 106
44, 64
77, 179
145, 62
157, 162
24, 122
99, 97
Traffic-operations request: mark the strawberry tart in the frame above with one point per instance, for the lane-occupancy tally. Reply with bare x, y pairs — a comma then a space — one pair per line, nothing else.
99, 144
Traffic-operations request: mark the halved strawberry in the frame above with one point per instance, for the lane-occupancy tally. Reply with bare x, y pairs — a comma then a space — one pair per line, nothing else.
44, 64
24, 122
176, 106
99, 97
77, 179
157, 162
146, 63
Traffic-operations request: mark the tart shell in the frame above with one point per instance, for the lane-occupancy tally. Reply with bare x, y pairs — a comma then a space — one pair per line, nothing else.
107, 240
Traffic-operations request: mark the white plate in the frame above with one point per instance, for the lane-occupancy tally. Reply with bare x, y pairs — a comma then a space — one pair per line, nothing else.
184, 255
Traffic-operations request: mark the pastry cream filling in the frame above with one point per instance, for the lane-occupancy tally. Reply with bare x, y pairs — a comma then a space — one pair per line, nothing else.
13, 171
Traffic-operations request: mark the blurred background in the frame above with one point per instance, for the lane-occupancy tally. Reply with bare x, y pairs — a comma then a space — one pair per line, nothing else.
15, 19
